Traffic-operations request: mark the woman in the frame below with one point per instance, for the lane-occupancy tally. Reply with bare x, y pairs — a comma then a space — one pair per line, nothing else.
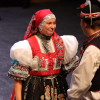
37, 60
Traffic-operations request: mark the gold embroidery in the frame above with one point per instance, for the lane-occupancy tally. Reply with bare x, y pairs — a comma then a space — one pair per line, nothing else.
53, 95
47, 92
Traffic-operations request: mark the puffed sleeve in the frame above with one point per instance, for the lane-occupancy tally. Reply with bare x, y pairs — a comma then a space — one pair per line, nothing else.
21, 51
21, 55
71, 47
71, 60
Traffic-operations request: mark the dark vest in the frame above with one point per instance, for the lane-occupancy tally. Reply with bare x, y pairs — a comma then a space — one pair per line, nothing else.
96, 80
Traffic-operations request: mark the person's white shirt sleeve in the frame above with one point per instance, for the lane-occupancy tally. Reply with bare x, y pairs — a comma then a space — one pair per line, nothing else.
84, 73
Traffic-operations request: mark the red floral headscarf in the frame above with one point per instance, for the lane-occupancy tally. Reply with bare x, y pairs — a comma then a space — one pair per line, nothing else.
36, 19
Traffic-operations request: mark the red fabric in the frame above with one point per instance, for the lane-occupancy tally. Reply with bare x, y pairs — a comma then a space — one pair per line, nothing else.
39, 15
13, 93
37, 18
45, 73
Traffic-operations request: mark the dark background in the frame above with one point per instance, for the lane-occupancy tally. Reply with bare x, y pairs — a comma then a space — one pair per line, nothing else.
14, 18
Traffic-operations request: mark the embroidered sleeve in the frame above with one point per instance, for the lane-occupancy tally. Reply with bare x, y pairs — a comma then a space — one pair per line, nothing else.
18, 71
69, 67
71, 61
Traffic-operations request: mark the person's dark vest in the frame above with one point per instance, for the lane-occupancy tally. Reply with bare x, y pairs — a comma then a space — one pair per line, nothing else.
96, 80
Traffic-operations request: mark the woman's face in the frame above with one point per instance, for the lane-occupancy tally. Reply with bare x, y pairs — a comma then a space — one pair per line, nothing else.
48, 27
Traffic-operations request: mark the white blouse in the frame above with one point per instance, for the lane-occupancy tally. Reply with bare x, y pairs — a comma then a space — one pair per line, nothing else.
21, 51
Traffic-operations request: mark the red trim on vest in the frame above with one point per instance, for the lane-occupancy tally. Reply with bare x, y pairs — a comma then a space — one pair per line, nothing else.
44, 73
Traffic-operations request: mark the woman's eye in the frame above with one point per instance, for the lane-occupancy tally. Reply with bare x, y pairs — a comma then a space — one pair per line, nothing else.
49, 23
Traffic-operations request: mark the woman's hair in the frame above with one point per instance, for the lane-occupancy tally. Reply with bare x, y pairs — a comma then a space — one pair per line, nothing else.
46, 18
